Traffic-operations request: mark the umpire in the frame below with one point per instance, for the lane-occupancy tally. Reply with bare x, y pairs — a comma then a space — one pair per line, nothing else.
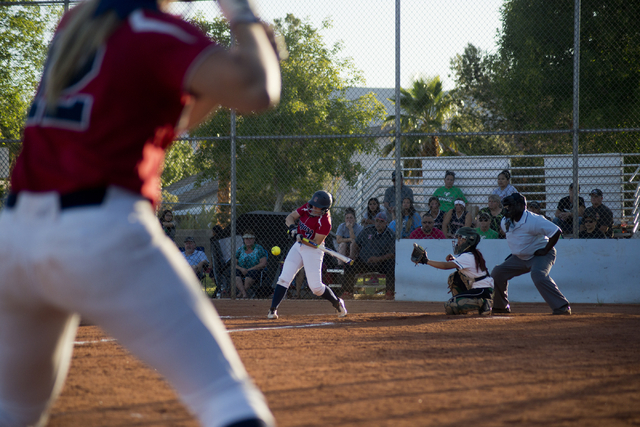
531, 239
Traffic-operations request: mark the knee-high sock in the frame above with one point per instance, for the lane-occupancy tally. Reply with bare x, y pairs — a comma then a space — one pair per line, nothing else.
278, 295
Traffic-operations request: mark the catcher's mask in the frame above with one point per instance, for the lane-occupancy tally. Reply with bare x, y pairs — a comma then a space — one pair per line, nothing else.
321, 199
470, 239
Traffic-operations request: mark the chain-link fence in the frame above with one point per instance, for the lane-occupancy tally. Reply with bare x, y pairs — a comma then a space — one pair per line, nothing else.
484, 87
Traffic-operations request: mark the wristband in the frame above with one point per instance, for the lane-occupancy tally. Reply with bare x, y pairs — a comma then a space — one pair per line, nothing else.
238, 11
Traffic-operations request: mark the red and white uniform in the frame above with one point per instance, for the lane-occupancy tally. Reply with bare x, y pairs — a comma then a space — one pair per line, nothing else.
111, 263
304, 256
112, 126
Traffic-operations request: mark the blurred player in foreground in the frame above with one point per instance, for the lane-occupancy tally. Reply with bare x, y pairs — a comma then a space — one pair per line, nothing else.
471, 285
531, 239
122, 79
314, 224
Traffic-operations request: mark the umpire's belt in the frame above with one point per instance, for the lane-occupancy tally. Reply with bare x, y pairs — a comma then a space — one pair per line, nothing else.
86, 197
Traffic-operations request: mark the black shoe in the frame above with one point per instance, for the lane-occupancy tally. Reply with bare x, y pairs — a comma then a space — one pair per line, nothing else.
485, 310
506, 310
564, 311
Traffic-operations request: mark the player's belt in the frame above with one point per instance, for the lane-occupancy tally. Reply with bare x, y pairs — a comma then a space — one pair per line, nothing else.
76, 199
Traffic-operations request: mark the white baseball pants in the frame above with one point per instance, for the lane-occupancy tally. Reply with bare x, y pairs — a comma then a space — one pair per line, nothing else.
112, 265
303, 256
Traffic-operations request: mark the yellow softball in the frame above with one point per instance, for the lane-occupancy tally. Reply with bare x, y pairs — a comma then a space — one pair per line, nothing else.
275, 250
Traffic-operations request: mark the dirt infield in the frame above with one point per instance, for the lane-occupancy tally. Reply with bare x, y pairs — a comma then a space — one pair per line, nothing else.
390, 364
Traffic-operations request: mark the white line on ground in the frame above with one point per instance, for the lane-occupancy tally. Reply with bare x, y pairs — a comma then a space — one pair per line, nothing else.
312, 325
94, 342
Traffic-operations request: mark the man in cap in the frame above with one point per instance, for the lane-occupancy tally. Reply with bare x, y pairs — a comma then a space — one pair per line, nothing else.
390, 195
196, 258
531, 239
564, 212
373, 250
603, 215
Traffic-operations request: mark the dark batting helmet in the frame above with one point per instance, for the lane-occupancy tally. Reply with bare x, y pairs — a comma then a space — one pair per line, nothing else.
321, 199
471, 240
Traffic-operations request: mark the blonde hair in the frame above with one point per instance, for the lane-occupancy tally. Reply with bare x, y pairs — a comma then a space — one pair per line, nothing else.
75, 44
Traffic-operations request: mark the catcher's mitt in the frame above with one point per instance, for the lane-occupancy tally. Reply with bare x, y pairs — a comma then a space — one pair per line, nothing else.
419, 255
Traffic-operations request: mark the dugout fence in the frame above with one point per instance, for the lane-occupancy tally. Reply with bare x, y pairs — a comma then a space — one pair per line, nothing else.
549, 91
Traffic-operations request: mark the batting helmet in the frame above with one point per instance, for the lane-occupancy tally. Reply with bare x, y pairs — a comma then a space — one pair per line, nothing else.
471, 240
321, 199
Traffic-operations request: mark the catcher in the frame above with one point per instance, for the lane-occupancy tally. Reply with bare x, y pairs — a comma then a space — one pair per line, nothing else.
471, 284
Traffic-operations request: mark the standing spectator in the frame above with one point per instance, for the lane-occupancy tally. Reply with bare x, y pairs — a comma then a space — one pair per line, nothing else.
252, 259
168, 224
373, 250
564, 213
531, 239
449, 193
456, 218
495, 212
197, 259
428, 230
504, 185
603, 214
484, 227
390, 195
536, 209
591, 230
410, 219
373, 208
435, 212
347, 232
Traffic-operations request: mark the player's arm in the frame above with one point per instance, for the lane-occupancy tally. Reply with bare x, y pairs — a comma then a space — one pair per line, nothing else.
246, 77
550, 244
442, 265
292, 218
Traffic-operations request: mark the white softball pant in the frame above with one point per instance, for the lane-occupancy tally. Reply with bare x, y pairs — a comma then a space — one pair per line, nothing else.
303, 256
112, 265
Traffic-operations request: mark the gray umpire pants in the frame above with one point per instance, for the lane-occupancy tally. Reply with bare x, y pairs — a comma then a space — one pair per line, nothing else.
540, 267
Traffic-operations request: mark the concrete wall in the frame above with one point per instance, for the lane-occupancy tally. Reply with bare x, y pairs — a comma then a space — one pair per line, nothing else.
586, 271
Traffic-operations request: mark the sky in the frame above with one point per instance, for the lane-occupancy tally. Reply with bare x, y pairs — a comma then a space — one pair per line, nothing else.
432, 32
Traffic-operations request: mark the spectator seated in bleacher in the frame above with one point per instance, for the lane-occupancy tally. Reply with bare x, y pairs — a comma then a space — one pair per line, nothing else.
373, 251
591, 230
427, 230
504, 185
456, 218
495, 212
197, 259
410, 219
168, 224
252, 259
373, 207
347, 232
448, 193
603, 215
435, 212
484, 227
564, 214
536, 209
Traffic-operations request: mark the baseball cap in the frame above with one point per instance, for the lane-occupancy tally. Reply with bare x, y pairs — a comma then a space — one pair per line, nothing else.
484, 216
382, 215
596, 192
189, 239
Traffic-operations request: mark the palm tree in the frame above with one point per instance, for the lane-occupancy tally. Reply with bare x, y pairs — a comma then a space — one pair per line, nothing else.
425, 108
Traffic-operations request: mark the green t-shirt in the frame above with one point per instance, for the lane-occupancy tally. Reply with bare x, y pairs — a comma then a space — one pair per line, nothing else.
447, 196
489, 234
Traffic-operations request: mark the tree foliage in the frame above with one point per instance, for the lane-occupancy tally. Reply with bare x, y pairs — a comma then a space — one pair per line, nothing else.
23, 46
315, 78
528, 83
425, 107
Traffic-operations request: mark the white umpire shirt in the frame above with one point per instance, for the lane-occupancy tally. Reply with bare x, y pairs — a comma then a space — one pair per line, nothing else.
467, 264
526, 236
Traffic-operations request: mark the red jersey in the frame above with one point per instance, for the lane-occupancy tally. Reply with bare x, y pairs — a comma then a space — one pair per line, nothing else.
309, 225
436, 233
113, 122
